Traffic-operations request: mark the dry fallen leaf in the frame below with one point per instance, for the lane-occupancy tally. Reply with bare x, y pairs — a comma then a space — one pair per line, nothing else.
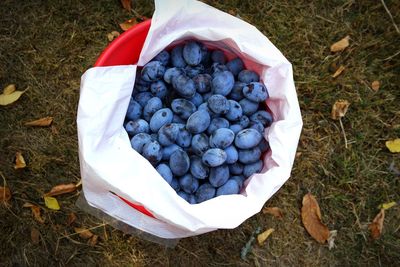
338, 71
51, 203
393, 145
6, 99
9, 89
84, 233
46, 121
71, 218
388, 205
376, 226
375, 85
264, 235
35, 211
126, 25
5, 194
339, 109
112, 35
127, 4
273, 211
19, 161
61, 189
331, 239
35, 235
311, 217
93, 240
340, 45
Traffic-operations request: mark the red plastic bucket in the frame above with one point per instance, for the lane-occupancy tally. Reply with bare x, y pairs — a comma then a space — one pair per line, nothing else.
125, 50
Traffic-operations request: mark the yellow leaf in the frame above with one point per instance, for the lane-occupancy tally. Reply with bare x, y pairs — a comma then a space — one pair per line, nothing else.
393, 145
375, 85
126, 25
387, 206
376, 226
340, 45
264, 235
51, 203
338, 71
46, 121
9, 89
10, 98
339, 109
19, 161
112, 35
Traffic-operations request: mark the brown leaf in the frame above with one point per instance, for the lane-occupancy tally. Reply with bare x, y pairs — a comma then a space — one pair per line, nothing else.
54, 130
127, 4
71, 218
46, 121
375, 85
339, 109
340, 45
19, 161
126, 25
275, 211
93, 240
9, 89
35, 235
376, 226
5, 194
36, 213
112, 35
84, 233
311, 217
61, 189
338, 71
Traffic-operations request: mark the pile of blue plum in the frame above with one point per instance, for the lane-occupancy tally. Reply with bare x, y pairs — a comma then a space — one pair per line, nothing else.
199, 120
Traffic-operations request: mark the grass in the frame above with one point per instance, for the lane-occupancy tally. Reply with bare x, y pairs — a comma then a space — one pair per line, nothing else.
46, 46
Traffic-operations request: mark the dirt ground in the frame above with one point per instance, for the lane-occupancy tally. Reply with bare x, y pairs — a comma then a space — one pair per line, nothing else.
45, 46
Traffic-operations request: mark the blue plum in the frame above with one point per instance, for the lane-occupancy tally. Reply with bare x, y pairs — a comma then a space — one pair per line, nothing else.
255, 92
168, 150
200, 144
221, 138
192, 53
235, 66
171, 73
177, 59
263, 117
235, 111
168, 134
179, 162
251, 155
165, 172
217, 123
183, 108
198, 169
159, 89
139, 140
252, 168
205, 192
143, 97
184, 86
198, 122
188, 183
222, 83
219, 175
137, 126
232, 154
248, 76
248, 107
152, 151
214, 157
247, 138
153, 71
218, 104
151, 107
237, 91
162, 57
202, 83
229, 188
134, 110
160, 118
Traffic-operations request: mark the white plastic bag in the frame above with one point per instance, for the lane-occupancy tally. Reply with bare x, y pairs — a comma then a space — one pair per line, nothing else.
110, 167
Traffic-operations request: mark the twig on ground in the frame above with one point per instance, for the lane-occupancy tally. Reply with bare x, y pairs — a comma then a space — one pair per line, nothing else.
344, 133
390, 15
